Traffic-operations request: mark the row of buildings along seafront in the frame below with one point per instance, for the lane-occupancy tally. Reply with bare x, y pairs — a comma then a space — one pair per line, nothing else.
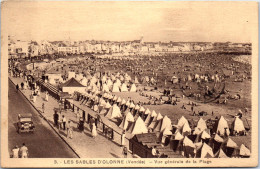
20, 49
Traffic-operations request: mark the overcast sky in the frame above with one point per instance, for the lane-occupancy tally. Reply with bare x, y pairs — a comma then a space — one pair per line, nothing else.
155, 21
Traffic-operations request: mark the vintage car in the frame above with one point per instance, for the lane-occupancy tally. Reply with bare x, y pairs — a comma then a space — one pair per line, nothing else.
25, 123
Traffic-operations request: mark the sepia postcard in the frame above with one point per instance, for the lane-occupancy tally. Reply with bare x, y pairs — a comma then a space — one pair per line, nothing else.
129, 84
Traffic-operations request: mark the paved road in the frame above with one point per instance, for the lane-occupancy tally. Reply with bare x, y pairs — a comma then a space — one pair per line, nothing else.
44, 142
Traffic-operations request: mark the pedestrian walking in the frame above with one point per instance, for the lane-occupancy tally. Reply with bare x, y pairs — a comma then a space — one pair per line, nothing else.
94, 131
17, 88
81, 125
56, 118
92, 122
25, 85
24, 151
34, 97
78, 116
60, 122
154, 152
69, 130
22, 85
46, 96
64, 122
125, 151
15, 152
43, 107
123, 139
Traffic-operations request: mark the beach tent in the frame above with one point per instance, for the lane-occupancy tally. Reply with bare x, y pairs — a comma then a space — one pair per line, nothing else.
124, 88
121, 78
147, 111
104, 79
115, 88
157, 126
138, 127
136, 80
119, 100
165, 136
230, 147
158, 117
244, 152
114, 112
102, 102
128, 103
182, 121
137, 107
114, 98
230, 143
166, 123
205, 151
150, 117
127, 118
201, 125
205, 136
109, 83
123, 101
220, 154
221, 127
133, 88
186, 130
237, 125
176, 140
178, 136
131, 105
142, 109
217, 138
188, 147
105, 88
118, 82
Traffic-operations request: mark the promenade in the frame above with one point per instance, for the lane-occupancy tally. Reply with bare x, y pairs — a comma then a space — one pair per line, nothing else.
82, 142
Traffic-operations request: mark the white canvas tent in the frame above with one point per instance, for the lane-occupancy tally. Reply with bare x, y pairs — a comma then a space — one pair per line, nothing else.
133, 88
244, 151
221, 127
182, 121
124, 88
166, 123
115, 88
158, 117
151, 115
205, 151
114, 112
201, 126
238, 125
128, 118
105, 88
138, 127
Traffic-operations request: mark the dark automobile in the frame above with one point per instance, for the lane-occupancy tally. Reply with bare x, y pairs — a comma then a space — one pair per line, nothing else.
25, 123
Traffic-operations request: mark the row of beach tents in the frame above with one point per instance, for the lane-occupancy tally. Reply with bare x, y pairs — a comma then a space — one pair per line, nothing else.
151, 121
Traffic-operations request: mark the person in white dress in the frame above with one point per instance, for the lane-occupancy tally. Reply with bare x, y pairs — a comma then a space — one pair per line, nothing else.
123, 139
25, 85
15, 152
94, 131
24, 151
46, 96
